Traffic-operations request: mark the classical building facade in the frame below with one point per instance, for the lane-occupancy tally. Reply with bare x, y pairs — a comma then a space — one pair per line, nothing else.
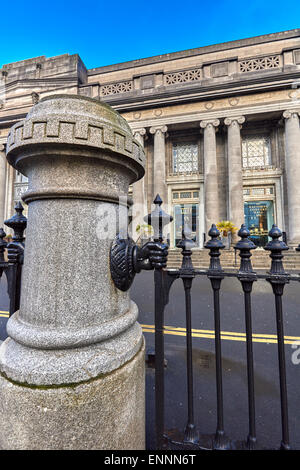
219, 124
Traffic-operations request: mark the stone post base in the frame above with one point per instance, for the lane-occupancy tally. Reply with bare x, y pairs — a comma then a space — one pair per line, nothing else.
77, 417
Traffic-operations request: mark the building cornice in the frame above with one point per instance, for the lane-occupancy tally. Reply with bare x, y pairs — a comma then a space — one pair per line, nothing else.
252, 41
221, 114
174, 94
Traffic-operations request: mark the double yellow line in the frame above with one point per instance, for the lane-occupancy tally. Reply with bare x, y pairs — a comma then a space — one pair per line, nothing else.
228, 335
210, 334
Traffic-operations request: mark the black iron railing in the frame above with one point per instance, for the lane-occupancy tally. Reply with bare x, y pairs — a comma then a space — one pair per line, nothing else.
164, 279
12, 256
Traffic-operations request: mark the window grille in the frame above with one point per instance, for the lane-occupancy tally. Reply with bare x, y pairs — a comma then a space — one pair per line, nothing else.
185, 158
256, 151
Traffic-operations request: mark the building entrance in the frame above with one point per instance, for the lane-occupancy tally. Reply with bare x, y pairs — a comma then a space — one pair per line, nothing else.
186, 215
259, 218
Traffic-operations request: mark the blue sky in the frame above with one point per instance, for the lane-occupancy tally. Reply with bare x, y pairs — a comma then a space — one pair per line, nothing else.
111, 31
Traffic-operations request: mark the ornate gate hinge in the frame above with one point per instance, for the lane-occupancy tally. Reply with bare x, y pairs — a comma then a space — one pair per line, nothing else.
127, 258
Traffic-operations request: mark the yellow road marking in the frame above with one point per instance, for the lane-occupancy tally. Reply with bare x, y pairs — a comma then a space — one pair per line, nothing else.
210, 334
229, 335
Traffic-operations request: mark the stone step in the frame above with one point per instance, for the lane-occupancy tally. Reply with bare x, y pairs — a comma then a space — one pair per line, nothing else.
231, 260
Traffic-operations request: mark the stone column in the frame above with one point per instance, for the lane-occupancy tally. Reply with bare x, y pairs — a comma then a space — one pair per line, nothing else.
235, 175
211, 190
2, 184
9, 193
139, 209
292, 150
159, 163
73, 365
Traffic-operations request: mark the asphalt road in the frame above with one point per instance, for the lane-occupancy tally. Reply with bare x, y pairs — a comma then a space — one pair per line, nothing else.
234, 358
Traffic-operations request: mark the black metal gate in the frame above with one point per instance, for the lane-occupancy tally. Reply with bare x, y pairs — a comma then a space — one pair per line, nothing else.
164, 279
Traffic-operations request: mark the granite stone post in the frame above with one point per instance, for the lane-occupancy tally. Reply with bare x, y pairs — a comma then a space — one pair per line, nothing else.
211, 190
72, 369
2, 183
235, 175
159, 162
292, 151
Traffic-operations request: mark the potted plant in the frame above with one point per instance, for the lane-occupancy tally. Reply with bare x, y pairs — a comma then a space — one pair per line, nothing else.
227, 229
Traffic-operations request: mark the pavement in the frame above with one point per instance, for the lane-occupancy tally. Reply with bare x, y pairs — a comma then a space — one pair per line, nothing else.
268, 419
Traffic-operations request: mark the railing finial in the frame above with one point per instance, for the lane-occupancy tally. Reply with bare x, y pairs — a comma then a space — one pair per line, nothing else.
18, 223
186, 244
158, 218
245, 245
276, 246
214, 245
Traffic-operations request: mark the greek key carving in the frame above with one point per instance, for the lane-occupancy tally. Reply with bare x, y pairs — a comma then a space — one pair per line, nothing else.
88, 133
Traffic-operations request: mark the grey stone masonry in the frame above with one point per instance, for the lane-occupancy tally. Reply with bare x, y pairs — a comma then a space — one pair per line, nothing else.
292, 151
62, 66
235, 176
2, 184
210, 173
138, 191
159, 162
74, 326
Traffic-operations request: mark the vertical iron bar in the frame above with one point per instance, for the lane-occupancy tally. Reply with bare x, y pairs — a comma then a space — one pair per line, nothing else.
278, 278
247, 276
282, 372
12, 285
220, 441
215, 274
158, 219
3, 245
251, 441
190, 433
15, 254
187, 274
159, 359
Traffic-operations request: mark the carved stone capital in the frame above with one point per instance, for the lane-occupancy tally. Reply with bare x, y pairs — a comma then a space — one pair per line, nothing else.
141, 132
236, 120
140, 135
291, 113
210, 122
155, 129
2, 148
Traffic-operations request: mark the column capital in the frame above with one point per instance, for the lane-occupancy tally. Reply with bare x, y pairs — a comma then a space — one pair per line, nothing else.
163, 129
213, 122
141, 131
2, 147
291, 113
236, 119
